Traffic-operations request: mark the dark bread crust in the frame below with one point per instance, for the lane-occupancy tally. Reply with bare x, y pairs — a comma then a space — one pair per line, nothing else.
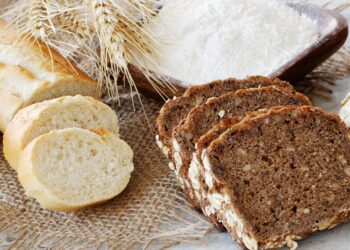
302, 188
202, 118
175, 110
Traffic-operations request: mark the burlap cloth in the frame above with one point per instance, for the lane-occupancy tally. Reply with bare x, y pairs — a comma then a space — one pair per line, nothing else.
150, 213
151, 208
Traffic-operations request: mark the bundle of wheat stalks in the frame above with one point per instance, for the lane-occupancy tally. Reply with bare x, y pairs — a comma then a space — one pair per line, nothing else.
101, 36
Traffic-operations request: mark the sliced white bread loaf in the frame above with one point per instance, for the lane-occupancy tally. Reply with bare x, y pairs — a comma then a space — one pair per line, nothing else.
64, 112
31, 72
71, 169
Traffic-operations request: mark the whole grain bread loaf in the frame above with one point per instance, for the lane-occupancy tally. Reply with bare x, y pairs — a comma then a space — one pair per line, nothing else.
175, 110
280, 175
202, 118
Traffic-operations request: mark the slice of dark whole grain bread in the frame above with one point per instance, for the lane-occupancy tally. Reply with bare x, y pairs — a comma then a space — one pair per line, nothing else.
196, 172
280, 176
202, 118
175, 110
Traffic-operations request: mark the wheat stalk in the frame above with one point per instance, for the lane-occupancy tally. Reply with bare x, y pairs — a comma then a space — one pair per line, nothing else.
112, 43
122, 39
76, 36
72, 29
37, 22
71, 22
72, 26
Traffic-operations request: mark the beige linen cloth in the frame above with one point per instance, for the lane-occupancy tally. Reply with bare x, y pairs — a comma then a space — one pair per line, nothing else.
150, 213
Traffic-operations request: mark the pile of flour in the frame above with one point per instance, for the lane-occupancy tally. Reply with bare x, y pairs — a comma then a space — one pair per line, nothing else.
206, 40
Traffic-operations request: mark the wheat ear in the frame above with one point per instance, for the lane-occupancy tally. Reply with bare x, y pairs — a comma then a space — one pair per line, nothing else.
122, 38
73, 30
75, 36
112, 53
39, 23
117, 25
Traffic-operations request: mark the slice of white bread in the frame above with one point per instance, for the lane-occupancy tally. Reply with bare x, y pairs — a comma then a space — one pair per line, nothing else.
71, 169
64, 112
31, 72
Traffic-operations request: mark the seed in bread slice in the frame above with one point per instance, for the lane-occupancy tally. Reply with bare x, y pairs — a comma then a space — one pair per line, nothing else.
63, 112
175, 110
71, 169
202, 118
280, 176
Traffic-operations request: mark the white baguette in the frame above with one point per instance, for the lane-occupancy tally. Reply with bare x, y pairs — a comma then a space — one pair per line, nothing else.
30, 72
64, 112
71, 169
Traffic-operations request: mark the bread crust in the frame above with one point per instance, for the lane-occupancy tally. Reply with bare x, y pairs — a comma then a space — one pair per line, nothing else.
60, 64
24, 121
36, 189
12, 104
191, 98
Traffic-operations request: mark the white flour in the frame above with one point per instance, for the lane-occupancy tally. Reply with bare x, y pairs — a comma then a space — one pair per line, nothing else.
206, 40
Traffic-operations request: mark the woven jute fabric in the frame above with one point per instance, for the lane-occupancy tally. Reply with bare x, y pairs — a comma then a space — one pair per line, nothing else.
151, 211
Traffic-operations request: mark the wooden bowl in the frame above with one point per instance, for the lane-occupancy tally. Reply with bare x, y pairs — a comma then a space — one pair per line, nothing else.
333, 30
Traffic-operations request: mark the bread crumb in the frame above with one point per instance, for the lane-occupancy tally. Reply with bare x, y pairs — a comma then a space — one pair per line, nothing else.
295, 114
165, 150
342, 159
278, 118
242, 152
324, 224
247, 168
304, 168
347, 171
291, 243
306, 211
198, 101
290, 149
171, 166
188, 136
221, 113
